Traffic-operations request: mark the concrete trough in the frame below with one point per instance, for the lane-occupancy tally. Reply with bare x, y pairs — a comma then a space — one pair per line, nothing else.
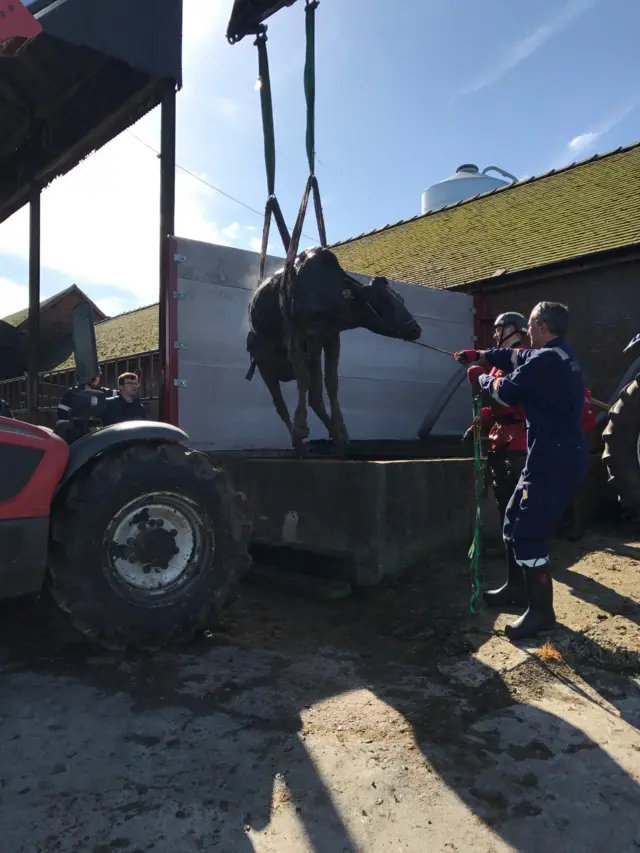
375, 517
368, 520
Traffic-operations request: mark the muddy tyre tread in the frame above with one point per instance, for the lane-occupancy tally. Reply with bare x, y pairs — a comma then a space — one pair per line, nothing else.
620, 454
80, 588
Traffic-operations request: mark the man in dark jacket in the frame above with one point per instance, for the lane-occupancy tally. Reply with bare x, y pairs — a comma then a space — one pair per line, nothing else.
126, 406
67, 412
547, 381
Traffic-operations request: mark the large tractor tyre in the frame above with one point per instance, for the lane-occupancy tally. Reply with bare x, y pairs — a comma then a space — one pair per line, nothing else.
148, 544
622, 447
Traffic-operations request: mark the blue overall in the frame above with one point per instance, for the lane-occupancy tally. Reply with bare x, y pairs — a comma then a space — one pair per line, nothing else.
548, 383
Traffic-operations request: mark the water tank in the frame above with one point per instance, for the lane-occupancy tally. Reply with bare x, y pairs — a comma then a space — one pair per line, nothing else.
467, 182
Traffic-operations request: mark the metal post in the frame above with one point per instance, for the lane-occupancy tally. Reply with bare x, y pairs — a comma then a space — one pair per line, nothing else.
167, 214
34, 304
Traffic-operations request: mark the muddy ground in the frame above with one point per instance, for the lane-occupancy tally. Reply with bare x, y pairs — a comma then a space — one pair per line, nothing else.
393, 720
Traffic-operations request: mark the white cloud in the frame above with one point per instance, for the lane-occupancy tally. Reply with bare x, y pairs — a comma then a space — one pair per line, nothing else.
100, 222
255, 244
526, 47
114, 305
13, 297
584, 144
581, 143
232, 231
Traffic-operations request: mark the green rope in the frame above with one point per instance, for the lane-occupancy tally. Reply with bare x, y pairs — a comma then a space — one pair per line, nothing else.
310, 82
266, 104
474, 550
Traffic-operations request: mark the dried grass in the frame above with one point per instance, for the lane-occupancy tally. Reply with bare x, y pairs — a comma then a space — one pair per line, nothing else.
547, 652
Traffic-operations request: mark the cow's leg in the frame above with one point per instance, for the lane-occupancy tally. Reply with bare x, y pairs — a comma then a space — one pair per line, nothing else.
316, 400
299, 358
271, 381
338, 430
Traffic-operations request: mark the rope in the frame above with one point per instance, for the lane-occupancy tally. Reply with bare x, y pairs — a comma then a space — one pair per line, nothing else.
312, 182
474, 550
272, 206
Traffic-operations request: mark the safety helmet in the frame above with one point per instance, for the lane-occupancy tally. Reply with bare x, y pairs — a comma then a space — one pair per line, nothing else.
512, 318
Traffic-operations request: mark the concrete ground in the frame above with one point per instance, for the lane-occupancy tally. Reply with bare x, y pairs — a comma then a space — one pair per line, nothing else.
390, 721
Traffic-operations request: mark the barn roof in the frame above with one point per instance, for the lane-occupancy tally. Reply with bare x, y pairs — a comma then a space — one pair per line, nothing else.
19, 317
129, 334
578, 210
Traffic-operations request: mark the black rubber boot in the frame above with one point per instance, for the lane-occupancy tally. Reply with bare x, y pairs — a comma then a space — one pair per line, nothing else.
514, 591
540, 615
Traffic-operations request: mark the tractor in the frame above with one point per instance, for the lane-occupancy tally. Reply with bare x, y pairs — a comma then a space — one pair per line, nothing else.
139, 539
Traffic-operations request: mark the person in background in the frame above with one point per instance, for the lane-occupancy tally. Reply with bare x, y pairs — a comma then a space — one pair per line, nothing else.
505, 426
65, 405
65, 411
5, 409
126, 406
547, 381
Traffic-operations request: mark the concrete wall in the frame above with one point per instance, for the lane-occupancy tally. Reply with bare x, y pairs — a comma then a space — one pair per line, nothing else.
378, 517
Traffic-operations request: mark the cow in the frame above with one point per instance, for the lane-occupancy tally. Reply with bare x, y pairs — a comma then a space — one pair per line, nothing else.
295, 317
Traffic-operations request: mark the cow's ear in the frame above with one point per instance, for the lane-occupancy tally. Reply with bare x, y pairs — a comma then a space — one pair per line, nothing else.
347, 293
379, 283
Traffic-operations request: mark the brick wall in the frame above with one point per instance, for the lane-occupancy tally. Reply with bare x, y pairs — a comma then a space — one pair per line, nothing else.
604, 306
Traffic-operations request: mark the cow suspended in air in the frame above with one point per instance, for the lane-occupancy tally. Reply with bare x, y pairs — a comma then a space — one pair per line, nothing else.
295, 317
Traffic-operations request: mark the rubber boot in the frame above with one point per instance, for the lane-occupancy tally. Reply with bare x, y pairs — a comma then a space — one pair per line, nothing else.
540, 615
514, 591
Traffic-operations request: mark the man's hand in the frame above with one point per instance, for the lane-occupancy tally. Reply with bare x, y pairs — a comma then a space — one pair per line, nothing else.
473, 375
467, 356
469, 432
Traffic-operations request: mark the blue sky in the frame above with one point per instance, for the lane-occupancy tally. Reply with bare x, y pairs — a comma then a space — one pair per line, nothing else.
406, 91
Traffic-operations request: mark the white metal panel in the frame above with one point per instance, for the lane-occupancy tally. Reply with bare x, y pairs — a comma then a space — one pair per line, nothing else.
386, 386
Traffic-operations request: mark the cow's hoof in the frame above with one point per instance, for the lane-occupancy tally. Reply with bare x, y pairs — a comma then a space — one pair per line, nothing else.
339, 434
301, 450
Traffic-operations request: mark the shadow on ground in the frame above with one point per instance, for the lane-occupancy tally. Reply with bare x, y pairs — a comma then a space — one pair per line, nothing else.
327, 725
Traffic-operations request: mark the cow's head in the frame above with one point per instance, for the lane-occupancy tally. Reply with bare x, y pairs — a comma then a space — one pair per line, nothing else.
380, 309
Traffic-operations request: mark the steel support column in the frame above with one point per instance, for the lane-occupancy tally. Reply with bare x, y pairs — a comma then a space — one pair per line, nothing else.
34, 304
167, 215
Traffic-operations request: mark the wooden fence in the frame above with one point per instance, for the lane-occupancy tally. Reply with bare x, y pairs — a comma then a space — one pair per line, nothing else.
53, 385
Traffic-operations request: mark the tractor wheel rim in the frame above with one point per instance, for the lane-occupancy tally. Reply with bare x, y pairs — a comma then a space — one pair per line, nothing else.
154, 543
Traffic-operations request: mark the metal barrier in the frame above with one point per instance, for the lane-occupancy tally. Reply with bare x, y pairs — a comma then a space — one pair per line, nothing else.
52, 385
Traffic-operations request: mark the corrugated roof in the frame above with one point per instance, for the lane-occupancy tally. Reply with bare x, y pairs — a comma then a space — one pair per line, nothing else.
583, 208
125, 335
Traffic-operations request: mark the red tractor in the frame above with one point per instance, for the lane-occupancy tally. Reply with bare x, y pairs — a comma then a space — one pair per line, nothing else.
140, 539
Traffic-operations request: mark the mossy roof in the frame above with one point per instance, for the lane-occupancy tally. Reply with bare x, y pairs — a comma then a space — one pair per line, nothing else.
127, 334
578, 210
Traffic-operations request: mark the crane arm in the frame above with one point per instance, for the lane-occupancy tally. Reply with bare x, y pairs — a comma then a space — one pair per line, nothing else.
248, 16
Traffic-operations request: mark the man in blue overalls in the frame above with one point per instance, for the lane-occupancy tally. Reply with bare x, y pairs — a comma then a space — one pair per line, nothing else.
548, 382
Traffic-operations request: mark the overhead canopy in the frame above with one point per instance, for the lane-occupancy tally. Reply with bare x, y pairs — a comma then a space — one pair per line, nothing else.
248, 16
96, 68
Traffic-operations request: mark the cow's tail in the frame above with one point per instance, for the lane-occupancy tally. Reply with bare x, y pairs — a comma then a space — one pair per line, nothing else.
251, 371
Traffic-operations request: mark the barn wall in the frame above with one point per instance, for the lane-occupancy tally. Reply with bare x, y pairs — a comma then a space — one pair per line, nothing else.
604, 306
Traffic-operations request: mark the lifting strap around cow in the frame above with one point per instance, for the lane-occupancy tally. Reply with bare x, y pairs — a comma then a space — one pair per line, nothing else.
248, 17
